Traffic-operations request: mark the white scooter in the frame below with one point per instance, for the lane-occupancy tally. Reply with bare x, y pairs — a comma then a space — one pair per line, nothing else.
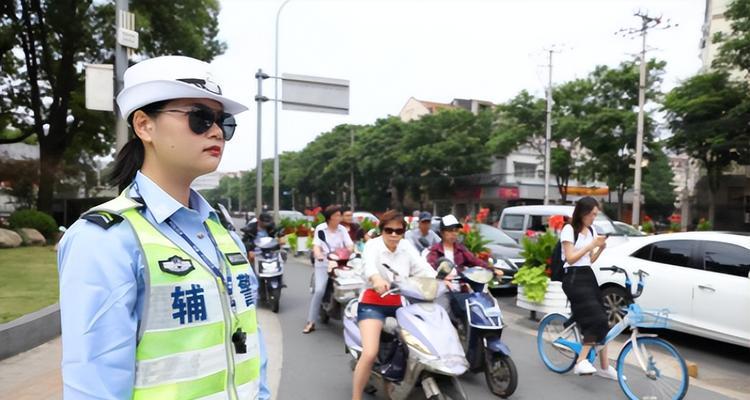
420, 347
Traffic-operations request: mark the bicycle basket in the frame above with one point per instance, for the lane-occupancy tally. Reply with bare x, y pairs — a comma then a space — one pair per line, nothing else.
653, 319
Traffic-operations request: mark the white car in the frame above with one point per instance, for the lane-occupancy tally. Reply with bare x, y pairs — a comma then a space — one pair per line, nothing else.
516, 221
703, 278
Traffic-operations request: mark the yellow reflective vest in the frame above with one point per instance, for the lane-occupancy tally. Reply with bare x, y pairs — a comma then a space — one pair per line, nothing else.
185, 348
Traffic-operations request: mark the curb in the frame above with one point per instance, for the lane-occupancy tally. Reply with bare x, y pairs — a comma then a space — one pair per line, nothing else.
29, 331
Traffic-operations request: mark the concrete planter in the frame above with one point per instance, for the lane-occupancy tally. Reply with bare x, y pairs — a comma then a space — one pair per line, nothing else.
554, 300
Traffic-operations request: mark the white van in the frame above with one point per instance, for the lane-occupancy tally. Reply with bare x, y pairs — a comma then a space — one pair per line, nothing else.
516, 221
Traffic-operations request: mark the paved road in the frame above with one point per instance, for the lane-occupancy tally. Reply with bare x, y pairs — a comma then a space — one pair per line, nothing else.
317, 367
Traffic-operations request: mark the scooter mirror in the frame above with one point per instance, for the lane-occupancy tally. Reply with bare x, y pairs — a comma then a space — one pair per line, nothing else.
445, 267
423, 242
321, 236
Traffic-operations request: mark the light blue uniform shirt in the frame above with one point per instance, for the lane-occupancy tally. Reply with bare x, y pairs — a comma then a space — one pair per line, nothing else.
102, 291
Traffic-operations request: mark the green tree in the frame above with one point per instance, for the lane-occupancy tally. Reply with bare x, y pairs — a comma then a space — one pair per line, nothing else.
658, 186
613, 123
709, 118
42, 47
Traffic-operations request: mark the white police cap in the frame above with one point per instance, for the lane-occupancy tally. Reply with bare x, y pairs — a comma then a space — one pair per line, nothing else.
168, 78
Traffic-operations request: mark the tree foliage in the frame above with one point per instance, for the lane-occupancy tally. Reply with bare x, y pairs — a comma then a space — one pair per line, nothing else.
43, 47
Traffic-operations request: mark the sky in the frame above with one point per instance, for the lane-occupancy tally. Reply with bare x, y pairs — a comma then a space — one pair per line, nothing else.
391, 50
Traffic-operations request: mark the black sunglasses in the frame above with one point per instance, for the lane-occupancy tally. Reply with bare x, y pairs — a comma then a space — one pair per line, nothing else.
391, 231
202, 118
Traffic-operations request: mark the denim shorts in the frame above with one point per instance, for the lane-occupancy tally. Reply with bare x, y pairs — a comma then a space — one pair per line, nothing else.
374, 311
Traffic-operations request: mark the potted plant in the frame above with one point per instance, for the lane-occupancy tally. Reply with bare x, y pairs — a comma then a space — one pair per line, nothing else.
704, 225
535, 290
293, 241
648, 225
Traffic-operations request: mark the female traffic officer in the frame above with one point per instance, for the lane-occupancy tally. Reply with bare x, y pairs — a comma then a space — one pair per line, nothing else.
157, 299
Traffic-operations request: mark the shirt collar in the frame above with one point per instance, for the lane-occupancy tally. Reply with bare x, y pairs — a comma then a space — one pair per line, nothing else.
399, 248
162, 205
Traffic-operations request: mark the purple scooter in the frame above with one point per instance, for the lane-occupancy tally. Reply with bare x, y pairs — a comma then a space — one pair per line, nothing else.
420, 347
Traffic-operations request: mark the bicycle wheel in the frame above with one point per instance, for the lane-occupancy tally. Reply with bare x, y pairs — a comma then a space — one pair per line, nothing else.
665, 378
557, 357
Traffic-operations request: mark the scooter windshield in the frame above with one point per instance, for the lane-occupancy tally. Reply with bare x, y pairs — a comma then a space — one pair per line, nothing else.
478, 274
422, 288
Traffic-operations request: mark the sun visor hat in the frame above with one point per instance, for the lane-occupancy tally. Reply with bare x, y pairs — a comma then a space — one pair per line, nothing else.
168, 78
449, 221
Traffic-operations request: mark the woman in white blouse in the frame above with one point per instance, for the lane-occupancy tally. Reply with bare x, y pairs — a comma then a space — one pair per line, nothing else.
581, 247
390, 248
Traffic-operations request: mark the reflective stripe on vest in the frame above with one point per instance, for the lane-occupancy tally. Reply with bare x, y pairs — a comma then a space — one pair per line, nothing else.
185, 351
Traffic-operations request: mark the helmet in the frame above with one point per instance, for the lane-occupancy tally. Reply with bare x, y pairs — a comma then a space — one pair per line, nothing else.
265, 218
449, 221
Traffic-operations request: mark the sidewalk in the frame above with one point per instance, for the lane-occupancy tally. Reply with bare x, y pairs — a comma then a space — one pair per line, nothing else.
35, 374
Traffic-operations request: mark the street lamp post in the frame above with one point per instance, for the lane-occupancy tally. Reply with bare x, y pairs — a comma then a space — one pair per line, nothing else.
276, 119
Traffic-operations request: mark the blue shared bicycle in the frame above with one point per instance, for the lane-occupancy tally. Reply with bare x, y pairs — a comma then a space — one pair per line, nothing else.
648, 367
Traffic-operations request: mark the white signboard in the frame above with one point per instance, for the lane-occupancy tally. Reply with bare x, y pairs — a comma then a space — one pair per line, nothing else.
316, 94
100, 87
127, 38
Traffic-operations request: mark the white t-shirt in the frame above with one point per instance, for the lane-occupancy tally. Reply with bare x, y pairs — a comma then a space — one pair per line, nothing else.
584, 239
405, 260
336, 240
449, 255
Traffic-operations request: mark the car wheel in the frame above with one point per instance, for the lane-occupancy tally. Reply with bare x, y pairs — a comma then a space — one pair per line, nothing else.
615, 302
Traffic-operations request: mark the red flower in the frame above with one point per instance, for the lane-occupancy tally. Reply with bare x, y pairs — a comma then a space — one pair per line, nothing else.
549, 261
483, 255
482, 215
647, 218
466, 228
548, 272
556, 222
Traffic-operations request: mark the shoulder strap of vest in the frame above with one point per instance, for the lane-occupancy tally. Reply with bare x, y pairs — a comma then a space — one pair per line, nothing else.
110, 213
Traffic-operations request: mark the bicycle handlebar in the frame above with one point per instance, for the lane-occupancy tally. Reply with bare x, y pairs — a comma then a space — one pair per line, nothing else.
628, 283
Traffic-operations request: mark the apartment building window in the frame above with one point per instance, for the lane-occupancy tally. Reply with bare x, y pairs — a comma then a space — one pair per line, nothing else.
524, 170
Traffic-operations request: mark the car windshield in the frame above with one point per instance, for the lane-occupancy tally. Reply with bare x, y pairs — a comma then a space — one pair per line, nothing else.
604, 225
496, 236
627, 230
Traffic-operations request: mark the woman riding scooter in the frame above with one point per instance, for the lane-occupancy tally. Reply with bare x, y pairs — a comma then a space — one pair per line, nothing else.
451, 249
390, 249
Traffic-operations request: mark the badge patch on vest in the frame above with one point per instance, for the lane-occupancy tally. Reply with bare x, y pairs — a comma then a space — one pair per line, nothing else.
236, 258
176, 266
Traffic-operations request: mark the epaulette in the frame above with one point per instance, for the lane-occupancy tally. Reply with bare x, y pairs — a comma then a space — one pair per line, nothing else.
103, 219
109, 214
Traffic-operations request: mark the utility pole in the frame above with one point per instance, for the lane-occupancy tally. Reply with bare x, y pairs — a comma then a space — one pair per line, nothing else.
351, 172
122, 20
636, 218
647, 23
548, 134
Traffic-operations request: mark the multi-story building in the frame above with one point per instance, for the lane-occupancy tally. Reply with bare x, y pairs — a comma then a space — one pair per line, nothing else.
733, 196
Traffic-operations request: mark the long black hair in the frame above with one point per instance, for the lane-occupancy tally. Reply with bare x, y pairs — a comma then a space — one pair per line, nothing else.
583, 207
130, 158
